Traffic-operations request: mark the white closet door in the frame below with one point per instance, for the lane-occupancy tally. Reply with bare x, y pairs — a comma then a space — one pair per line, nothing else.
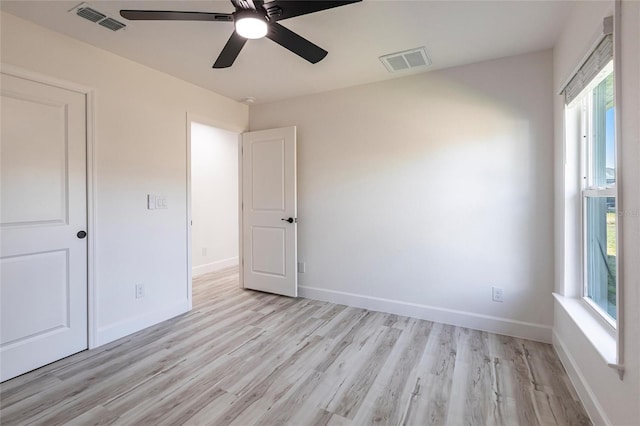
43, 253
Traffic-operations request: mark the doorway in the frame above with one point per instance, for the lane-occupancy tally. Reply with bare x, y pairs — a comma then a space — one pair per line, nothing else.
242, 205
214, 198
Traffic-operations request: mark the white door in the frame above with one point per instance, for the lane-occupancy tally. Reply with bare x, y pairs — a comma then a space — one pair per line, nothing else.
269, 239
43, 259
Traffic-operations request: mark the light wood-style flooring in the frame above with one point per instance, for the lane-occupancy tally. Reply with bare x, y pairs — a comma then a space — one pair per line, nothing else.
243, 358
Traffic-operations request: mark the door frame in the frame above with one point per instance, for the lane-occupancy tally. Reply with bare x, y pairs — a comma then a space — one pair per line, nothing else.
208, 121
91, 180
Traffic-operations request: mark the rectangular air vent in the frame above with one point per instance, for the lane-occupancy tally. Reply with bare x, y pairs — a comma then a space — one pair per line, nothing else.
83, 10
406, 60
112, 24
90, 14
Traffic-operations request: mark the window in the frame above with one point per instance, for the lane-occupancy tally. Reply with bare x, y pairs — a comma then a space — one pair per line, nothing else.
589, 230
598, 173
590, 117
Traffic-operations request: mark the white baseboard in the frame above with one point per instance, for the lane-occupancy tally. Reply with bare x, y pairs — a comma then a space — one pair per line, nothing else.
586, 395
129, 326
531, 331
214, 266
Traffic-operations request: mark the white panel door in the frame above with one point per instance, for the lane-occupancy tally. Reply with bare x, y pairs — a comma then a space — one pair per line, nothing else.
269, 211
43, 259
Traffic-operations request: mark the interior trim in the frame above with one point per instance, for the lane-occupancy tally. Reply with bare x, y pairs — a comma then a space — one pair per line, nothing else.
508, 327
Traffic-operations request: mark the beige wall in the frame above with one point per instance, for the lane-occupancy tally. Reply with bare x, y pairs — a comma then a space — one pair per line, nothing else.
140, 137
608, 399
417, 195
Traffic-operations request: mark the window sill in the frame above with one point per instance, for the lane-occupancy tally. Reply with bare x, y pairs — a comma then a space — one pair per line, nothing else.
597, 333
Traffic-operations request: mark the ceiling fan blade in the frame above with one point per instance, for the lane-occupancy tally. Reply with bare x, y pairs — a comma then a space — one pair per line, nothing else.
168, 15
230, 51
284, 9
247, 4
298, 45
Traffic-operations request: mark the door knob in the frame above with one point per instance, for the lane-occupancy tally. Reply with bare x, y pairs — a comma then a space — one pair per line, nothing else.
81, 234
290, 220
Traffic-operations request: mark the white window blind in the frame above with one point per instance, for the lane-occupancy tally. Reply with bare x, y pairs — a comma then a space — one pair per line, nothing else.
601, 56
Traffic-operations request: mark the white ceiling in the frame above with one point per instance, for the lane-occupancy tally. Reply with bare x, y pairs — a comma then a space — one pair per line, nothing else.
453, 32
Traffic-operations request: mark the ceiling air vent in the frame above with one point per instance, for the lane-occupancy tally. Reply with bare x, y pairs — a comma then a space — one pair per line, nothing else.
406, 60
84, 11
90, 14
112, 24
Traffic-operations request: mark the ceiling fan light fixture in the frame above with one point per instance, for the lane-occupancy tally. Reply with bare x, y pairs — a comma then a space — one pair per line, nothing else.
250, 25
252, 19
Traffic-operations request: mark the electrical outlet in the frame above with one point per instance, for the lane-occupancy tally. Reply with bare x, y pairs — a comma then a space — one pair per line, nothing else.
139, 291
497, 294
302, 267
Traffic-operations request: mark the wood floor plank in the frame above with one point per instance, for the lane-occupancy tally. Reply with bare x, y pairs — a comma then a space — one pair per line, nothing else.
200, 365
258, 389
289, 404
342, 371
97, 416
282, 350
26, 391
354, 324
210, 411
353, 395
472, 394
245, 358
393, 383
128, 370
517, 382
429, 402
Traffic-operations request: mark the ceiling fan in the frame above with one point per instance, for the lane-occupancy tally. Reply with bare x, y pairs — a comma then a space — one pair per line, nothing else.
253, 19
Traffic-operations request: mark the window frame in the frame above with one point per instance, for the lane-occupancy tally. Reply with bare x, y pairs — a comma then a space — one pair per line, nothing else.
607, 342
585, 99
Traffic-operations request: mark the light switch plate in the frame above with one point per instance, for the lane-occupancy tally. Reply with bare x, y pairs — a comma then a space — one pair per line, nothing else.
161, 202
151, 202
